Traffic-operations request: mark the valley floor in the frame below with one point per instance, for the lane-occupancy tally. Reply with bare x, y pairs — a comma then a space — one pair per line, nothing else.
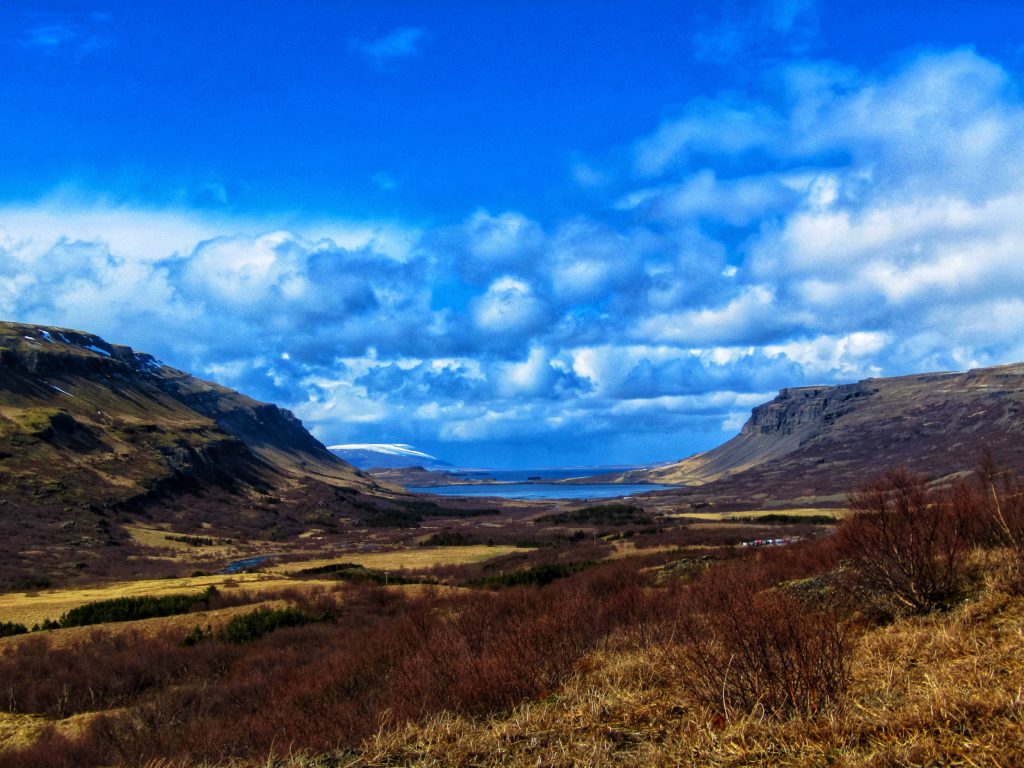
544, 648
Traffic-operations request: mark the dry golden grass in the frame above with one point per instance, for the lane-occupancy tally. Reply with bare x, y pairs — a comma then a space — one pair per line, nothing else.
629, 549
156, 538
20, 730
409, 559
797, 512
938, 690
29, 608
216, 619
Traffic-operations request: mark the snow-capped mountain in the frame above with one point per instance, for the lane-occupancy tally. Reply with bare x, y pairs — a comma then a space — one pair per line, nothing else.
372, 455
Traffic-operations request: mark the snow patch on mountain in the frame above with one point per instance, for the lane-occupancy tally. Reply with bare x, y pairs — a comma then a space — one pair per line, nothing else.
370, 455
395, 449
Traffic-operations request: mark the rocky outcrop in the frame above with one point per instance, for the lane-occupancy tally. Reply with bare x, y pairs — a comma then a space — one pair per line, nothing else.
819, 442
806, 408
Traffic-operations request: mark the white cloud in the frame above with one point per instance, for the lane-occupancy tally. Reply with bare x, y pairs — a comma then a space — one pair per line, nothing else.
400, 43
714, 126
508, 241
509, 306
585, 261
735, 201
850, 356
747, 317
837, 225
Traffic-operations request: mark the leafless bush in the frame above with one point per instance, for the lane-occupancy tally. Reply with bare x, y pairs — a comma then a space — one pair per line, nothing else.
385, 655
744, 650
906, 545
1001, 500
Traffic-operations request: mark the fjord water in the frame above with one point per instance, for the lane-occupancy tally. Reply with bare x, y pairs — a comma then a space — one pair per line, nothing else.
542, 490
544, 473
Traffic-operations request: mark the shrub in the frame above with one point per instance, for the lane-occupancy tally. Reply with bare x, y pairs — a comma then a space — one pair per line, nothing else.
358, 573
255, 624
906, 545
8, 628
602, 514
132, 608
447, 538
197, 635
30, 583
1001, 499
747, 650
776, 518
392, 518
197, 541
537, 576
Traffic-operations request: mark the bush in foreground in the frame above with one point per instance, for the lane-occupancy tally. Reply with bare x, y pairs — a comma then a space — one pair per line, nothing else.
999, 495
906, 545
746, 649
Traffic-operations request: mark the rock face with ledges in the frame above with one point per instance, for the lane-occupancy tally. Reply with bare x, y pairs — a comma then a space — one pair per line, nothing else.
819, 442
798, 408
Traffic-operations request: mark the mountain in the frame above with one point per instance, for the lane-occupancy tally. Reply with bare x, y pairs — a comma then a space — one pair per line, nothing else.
94, 435
816, 443
386, 456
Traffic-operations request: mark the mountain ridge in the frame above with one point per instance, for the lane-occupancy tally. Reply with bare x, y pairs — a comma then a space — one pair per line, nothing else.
94, 434
821, 441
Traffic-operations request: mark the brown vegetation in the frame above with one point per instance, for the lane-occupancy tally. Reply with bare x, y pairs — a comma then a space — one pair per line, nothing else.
941, 689
907, 544
721, 655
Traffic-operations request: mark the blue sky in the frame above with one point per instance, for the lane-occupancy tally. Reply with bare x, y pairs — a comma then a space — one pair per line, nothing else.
526, 233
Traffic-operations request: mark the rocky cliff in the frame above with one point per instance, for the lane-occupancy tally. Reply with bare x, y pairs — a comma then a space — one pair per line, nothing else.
815, 443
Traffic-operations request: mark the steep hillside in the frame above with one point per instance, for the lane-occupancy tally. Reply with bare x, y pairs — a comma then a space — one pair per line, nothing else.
94, 434
815, 442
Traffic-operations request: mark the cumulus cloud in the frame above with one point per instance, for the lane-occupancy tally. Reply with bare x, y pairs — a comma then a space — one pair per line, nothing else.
508, 241
754, 315
828, 225
586, 261
724, 126
509, 306
541, 376
695, 374
889, 202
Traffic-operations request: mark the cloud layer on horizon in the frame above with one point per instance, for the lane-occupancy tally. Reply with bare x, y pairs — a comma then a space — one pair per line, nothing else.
832, 225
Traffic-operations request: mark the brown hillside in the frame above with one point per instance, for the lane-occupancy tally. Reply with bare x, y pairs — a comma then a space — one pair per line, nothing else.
817, 442
94, 434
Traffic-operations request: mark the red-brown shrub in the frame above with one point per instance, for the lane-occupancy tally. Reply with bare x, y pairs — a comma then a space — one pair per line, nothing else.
318, 686
746, 649
998, 494
906, 545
